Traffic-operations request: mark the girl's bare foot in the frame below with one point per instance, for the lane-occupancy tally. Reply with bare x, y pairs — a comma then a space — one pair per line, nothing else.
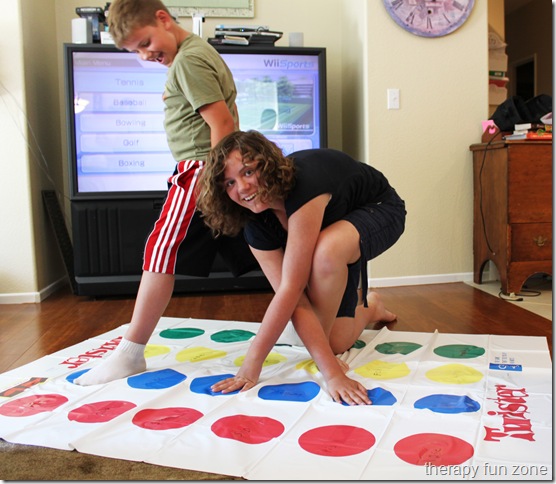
376, 310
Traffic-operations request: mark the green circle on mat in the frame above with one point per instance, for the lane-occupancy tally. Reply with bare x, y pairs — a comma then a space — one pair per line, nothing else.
232, 336
359, 344
459, 351
397, 347
181, 333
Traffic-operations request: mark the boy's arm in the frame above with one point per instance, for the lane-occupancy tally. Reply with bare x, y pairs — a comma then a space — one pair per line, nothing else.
219, 118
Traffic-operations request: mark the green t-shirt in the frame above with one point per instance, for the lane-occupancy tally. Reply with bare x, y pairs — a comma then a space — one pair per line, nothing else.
197, 77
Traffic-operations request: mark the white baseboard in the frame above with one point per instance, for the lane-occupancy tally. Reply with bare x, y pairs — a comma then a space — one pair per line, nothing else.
419, 280
37, 297
33, 297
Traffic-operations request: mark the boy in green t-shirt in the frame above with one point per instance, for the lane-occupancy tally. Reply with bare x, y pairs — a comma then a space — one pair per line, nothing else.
200, 110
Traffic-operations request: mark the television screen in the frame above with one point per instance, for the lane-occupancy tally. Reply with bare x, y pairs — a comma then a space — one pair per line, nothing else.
116, 140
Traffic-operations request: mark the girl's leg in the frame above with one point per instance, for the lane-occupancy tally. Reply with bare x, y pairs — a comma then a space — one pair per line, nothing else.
346, 330
336, 248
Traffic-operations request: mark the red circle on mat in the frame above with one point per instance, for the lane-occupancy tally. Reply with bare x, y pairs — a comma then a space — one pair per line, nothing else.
337, 440
436, 449
100, 411
31, 405
248, 429
166, 418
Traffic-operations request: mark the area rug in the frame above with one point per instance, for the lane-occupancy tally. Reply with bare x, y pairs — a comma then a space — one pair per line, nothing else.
445, 406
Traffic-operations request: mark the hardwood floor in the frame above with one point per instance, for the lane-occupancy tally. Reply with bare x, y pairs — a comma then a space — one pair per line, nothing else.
30, 331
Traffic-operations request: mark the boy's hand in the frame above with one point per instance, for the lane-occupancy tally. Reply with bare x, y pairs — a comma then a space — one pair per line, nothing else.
344, 389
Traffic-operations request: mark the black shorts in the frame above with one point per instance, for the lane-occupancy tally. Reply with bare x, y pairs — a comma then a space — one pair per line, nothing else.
198, 250
379, 225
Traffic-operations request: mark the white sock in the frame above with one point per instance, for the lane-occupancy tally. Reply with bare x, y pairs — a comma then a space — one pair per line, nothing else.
128, 359
289, 336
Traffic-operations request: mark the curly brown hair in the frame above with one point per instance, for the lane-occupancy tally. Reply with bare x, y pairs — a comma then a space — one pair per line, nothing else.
126, 16
275, 173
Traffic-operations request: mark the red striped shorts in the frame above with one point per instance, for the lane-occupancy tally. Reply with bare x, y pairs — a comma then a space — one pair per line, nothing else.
181, 243
174, 221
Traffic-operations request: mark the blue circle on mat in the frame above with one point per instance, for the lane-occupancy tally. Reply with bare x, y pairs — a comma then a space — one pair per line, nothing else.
76, 375
156, 380
202, 384
379, 396
291, 392
441, 403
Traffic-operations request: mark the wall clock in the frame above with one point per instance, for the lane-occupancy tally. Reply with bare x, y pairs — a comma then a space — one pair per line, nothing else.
429, 18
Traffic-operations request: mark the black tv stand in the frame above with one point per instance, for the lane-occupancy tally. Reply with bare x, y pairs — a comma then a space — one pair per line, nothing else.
108, 243
99, 286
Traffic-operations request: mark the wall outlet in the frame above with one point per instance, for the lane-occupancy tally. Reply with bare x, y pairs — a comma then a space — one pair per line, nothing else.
393, 96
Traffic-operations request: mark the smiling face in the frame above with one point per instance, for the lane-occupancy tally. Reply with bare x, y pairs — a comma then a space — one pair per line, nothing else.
155, 43
241, 183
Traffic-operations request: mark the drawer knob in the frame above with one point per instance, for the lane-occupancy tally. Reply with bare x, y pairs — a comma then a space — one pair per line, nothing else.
540, 240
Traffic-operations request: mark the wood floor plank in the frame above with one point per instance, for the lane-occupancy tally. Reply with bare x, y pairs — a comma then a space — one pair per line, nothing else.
31, 331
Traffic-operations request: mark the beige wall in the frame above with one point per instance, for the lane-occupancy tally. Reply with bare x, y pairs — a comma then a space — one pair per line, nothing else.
17, 265
30, 264
422, 147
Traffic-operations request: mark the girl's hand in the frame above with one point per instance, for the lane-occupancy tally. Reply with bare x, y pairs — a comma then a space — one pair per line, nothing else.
344, 389
343, 365
232, 384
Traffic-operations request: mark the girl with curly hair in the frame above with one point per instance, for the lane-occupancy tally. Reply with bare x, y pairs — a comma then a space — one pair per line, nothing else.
313, 220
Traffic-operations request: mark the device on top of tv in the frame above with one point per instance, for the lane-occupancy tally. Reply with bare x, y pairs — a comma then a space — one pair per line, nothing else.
241, 28
245, 35
96, 16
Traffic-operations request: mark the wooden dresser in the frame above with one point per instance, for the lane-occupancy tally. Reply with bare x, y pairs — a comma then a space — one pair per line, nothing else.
512, 210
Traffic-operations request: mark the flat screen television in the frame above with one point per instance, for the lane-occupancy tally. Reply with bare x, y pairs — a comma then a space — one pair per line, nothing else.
116, 142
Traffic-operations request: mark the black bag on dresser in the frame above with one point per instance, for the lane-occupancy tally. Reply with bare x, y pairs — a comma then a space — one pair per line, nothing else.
515, 110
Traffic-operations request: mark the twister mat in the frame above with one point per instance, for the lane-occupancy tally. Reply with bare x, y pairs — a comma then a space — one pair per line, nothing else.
446, 406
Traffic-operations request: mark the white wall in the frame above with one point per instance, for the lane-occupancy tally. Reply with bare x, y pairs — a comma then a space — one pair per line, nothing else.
17, 264
423, 147
30, 264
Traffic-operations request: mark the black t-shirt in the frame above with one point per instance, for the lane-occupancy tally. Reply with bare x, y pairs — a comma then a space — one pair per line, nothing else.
351, 183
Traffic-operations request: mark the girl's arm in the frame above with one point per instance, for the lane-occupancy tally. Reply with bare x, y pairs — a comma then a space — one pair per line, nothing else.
288, 282
288, 273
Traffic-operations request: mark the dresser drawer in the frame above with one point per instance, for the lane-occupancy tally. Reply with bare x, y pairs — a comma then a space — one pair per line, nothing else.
529, 183
531, 242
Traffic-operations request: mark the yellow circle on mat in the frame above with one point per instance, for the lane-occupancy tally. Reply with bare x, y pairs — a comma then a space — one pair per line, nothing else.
271, 359
199, 353
382, 370
156, 350
308, 365
454, 373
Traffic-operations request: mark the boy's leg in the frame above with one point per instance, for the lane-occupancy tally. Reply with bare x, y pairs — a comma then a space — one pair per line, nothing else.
128, 359
153, 297
178, 229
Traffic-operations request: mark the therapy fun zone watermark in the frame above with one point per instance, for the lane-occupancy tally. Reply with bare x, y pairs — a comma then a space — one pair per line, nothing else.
485, 470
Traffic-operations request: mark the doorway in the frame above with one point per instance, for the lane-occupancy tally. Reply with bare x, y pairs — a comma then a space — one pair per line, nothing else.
525, 75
